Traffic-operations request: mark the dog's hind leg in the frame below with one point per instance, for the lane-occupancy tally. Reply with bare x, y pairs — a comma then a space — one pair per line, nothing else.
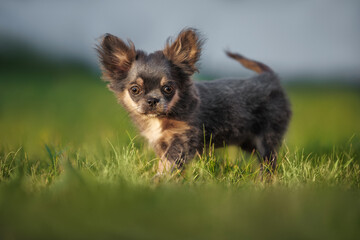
267, 153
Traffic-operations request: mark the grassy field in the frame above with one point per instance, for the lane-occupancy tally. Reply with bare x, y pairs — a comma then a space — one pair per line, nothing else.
73, 166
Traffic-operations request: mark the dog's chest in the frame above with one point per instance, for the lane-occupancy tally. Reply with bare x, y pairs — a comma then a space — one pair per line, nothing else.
165, 130
152, 130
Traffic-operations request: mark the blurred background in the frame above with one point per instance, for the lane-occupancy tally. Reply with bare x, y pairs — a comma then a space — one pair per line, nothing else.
68, 168
318, 38
50, 80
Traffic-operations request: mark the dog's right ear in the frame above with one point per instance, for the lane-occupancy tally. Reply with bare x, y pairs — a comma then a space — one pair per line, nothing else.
185, 50
116, 57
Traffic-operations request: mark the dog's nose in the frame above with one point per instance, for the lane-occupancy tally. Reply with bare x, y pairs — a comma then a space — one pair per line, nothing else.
153, 101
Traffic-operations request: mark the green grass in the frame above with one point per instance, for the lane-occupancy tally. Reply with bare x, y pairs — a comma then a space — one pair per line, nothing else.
73, 166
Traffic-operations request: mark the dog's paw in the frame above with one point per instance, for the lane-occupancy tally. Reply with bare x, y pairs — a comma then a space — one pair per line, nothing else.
158, 177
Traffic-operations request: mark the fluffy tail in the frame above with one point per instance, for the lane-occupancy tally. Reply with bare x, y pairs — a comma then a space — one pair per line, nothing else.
250, 64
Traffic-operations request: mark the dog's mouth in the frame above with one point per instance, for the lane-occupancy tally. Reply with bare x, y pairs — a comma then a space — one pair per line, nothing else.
154, 114
156, 111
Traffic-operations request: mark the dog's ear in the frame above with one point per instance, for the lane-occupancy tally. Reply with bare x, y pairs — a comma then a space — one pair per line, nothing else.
185, 51
116, 57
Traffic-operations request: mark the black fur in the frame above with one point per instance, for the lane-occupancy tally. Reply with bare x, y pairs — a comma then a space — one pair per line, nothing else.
251, 113
173, 112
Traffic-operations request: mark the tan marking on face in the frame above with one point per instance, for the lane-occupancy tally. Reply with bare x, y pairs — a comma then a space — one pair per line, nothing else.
127, 101
173, 101
163, 81
175, 98
140, 82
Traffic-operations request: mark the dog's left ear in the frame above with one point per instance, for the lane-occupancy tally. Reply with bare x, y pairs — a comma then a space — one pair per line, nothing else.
185, 51
116, 57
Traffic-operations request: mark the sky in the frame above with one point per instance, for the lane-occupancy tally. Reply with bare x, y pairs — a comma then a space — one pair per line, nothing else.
318, 37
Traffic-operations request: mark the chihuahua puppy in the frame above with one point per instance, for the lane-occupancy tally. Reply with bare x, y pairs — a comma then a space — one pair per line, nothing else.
176, 114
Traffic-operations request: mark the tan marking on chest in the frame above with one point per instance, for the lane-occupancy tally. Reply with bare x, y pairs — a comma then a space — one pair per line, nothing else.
175, 126
159, 131
152, 130
172, 129
127, 101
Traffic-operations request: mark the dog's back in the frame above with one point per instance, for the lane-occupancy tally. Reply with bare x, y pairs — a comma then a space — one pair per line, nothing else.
253, 113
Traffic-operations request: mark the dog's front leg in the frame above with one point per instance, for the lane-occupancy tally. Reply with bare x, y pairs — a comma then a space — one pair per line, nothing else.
174, 156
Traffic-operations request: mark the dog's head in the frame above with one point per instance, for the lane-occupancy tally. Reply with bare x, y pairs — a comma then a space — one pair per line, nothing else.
151, 84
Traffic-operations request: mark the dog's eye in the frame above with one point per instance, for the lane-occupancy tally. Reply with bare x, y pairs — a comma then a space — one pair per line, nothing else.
135, 90
168, 89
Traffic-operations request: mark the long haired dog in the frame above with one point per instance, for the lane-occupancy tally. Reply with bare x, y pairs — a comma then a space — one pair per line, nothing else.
175, 114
